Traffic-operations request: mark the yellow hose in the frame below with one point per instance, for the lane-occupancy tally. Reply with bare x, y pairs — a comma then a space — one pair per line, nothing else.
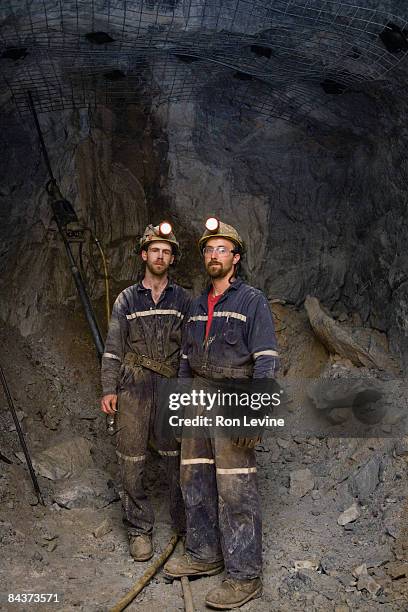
106, 275
106, 278
147, 576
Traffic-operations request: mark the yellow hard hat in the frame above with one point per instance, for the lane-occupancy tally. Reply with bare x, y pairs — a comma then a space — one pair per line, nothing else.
162, 232
214, 228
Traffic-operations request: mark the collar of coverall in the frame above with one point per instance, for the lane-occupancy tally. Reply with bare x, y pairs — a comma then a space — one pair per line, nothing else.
140, 286
204, 296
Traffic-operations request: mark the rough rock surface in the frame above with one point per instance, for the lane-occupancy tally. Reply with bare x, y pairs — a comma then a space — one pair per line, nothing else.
301, 482
62, 460
92, 573
321, 215
361, 401
91, 489
321, 204
366, 479
340, 341
329, 205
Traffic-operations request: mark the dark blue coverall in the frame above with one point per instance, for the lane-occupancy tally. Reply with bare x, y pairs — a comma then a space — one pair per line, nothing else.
140, 327
218, 478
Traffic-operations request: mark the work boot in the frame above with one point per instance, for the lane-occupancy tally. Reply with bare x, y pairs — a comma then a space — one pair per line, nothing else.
140, 547
187, 566
233, 593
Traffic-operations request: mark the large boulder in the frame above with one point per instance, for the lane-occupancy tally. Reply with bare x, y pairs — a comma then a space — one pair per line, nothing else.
361, 349
91, 489
62, 460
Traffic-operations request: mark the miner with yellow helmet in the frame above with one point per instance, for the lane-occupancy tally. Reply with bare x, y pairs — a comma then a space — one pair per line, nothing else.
160, 233
143, 347
217, 229
229, 334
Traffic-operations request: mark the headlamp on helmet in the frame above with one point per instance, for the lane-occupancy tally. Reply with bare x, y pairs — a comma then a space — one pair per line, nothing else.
212, 224
215, 228
165, 229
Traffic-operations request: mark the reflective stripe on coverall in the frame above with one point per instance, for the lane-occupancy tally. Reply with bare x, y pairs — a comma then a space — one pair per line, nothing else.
140, 326
218, 478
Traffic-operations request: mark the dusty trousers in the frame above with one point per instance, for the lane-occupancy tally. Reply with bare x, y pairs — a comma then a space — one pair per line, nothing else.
223, 514
137, 423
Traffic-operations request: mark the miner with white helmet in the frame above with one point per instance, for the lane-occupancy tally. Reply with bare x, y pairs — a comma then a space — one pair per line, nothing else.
229, 334
142, 347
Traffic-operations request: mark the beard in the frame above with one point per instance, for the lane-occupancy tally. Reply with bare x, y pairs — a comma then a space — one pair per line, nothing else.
157, 270
216, 269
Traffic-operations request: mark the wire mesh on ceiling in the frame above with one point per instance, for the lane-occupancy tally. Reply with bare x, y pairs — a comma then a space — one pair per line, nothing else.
267, 56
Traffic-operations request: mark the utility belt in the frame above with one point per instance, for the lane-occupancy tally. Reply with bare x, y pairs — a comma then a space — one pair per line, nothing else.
134, 360
213, 372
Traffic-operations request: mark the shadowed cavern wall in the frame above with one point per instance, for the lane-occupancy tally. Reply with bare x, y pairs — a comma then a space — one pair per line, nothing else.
109, 170
321, 204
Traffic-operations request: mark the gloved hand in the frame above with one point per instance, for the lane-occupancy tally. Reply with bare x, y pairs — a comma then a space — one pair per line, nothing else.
246, 442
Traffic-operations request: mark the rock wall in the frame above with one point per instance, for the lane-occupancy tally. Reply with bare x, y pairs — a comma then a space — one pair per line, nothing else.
320, 204
109, 165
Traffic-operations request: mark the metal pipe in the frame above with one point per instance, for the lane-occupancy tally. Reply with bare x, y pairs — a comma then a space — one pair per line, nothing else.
83, 295
40, 136
21, 437
87, 306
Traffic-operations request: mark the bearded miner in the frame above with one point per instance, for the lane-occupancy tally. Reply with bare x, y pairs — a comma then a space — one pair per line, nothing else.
143, 344
229, 334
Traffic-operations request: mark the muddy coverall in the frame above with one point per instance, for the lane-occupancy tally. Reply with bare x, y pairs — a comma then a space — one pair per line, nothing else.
143, 344
218, 478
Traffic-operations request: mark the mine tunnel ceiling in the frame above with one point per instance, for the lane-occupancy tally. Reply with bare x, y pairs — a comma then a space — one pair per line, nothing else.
271, 56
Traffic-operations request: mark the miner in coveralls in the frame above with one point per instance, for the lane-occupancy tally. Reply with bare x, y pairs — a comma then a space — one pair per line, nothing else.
229, 334
142, 346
